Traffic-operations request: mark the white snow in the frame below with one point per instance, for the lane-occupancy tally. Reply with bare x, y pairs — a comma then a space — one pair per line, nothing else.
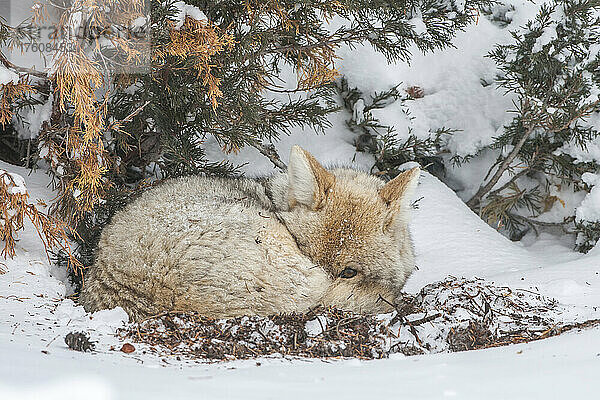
67, 389
454, 96
589, 210
35, 313
359, 111
592, 150
15, 182
8, 76
418, 25
316, 326
549, 34
186, 10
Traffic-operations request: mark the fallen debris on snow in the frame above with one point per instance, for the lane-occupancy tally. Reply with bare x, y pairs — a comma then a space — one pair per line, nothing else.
451, 315
79, 341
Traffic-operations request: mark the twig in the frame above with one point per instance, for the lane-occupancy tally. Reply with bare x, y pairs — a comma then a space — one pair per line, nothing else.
533, 223
512, 180
118, 124
333, 40
50, 342
424, 320
24, 70
270, 152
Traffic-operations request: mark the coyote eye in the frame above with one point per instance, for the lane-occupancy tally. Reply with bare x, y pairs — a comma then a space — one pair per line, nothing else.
348, 273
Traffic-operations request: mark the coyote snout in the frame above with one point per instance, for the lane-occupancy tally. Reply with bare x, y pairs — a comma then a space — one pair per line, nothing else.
230, 247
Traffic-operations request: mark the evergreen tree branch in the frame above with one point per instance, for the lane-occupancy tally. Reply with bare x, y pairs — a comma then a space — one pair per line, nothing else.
484, 190
332, 40
24, 70
533, 223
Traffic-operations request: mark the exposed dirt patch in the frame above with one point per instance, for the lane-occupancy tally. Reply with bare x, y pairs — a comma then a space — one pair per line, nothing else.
451, 315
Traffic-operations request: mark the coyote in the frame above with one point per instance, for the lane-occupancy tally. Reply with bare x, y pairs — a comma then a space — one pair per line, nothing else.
232, 247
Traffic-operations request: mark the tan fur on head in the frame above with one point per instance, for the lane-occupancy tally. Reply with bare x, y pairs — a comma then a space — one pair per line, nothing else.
397, 194
352, 220
398, 191
231, 247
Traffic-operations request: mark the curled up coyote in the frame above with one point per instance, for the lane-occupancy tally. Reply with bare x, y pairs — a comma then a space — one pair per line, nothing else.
231, 247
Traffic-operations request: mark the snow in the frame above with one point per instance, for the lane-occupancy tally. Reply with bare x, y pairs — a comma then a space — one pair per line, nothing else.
469, 375
68, 389
454, 96
35, 313
7, 76
15, 182
549, 34
185, 10
316, 326
334, 147
359, 111
591, 152
589, 210
418, 25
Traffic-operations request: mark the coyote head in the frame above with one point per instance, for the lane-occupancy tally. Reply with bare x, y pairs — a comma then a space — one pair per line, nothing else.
351, 224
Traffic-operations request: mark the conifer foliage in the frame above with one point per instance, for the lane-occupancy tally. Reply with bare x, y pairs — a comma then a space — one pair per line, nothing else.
253, 106
383, 141
553, 70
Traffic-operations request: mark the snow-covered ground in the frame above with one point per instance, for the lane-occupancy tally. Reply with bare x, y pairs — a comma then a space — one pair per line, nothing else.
35, 314
449, 240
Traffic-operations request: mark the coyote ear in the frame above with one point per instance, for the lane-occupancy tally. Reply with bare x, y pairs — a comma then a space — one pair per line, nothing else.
308, 180
397, 193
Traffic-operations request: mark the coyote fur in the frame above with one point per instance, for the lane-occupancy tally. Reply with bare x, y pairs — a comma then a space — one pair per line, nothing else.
232, 247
